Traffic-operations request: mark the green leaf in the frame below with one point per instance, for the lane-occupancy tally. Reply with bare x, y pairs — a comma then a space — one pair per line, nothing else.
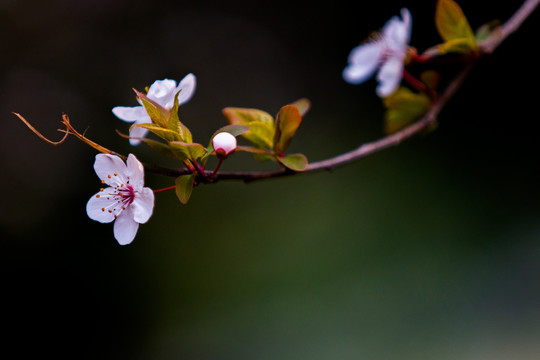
303, 105
166, 119
295, 162
184, 187
245, 115
157, 113
404, 107
261, 135
174, 123
160, 147
258, 154
462, 46
264, 157
260, 124
187, 151
454, 28
234, 130
254, 150
163, 133
287, 122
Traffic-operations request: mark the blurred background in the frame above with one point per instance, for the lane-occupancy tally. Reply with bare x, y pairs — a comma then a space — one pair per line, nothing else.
429, 250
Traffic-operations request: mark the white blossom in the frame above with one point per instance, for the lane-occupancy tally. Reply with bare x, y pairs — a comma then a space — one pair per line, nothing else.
162, 92
126, 201
386, 52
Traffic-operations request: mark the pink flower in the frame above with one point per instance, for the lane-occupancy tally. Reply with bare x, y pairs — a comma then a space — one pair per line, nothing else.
163, 93
387, 52
126, 201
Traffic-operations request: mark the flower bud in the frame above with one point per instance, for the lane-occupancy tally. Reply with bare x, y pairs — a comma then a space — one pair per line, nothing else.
224, 144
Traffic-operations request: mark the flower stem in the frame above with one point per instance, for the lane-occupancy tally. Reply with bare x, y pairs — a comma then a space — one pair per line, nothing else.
198, 168
165, 189
217, 167
414, 82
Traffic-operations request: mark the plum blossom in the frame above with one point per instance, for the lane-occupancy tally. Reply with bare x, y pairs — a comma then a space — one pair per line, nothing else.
224, 144
126, 201
163, 93
386, 52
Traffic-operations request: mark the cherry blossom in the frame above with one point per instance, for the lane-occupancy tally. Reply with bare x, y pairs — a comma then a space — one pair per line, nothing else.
386, 52
126, 201
162, 92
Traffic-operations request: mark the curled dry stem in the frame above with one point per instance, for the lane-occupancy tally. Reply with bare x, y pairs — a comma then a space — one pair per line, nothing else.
41, 136
70, 130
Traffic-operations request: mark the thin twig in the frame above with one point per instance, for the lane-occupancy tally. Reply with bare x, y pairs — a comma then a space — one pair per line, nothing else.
41, 136
510, 26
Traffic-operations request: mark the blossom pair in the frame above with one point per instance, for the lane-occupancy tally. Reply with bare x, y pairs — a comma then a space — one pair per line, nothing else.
126, 200
386, 53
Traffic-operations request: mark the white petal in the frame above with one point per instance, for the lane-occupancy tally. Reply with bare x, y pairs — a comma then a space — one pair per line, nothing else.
137, 132
110, 169
389, 76
187, 85
125, 228
397, 33
161, 91
130, 114
363, 61
98, 206
143, 205
407, 22
135, 172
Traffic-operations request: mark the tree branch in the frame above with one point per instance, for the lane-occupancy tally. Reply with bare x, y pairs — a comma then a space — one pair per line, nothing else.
348, 157
486, 46
365, 149
510, 26
396, 138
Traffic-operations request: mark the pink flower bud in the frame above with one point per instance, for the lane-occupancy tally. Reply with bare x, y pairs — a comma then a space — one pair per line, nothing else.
224, 144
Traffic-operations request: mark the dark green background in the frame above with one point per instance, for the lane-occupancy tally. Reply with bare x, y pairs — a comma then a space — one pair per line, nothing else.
425, 251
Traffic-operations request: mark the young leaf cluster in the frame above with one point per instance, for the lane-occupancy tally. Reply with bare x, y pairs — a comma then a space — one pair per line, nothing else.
271, 138
454, 29
178, 143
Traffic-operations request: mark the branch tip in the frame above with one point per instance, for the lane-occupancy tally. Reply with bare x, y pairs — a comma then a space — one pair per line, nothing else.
41, 136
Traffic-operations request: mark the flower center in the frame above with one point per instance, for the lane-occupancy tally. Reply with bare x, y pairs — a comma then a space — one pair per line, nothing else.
124, 194
119, 199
